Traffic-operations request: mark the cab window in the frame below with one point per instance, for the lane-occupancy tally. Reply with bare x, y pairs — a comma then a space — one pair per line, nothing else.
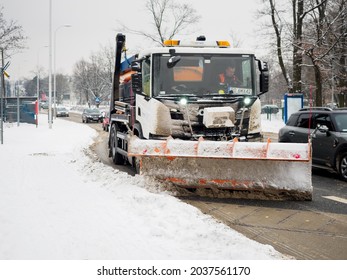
146, 76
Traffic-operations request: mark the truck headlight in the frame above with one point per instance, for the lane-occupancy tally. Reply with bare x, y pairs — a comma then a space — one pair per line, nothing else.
183, 101
247, 101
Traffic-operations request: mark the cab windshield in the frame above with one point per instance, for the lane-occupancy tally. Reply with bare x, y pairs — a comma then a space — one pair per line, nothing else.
196, 74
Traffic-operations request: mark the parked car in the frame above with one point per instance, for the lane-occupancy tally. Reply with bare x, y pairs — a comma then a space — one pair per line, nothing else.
269, 109
44, 104
94, 115
106, 121
61, 112
331, 105
328, 131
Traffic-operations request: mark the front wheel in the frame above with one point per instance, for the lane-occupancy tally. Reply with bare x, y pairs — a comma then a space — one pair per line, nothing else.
342, 167
136, 164
116, 157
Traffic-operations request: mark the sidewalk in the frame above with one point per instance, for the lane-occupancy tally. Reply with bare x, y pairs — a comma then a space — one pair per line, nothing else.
271, 126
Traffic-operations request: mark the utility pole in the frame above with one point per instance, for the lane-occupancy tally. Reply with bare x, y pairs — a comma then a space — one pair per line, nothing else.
2, 95
50, 68
38, 84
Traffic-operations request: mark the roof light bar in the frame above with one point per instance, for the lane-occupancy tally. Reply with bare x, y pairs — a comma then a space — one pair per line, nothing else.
198, 43
223, 44
171, 43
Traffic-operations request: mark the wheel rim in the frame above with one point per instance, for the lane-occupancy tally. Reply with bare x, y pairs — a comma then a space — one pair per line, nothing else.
343, 167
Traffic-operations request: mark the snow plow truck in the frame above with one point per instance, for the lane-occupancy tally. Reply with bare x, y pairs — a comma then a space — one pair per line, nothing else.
173, 118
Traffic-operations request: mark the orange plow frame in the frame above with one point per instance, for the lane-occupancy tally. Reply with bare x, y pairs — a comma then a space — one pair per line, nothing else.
276, 169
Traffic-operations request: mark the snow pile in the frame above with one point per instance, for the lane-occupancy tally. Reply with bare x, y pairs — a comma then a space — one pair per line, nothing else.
272, 123
58, 203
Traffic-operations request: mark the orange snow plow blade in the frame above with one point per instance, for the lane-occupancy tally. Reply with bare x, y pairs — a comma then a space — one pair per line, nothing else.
273, 170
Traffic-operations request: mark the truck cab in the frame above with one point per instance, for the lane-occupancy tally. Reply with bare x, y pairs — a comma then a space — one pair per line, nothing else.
182, 90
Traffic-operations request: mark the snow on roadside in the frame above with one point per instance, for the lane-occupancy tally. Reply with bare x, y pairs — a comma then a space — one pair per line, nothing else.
58, 203
272, 123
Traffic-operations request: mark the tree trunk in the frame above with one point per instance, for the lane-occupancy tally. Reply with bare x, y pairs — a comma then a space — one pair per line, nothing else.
342, 80
298, 15
319, 88
279, 45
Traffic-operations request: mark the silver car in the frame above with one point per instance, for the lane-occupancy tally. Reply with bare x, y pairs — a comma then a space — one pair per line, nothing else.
61, 112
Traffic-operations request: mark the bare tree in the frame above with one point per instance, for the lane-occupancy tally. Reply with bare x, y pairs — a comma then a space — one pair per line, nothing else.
339, 57
93, 78
235, 39
298, 19
62, 86
11, 34
315, 29
106, 62
168, 19
277, 24
80, 82
321, 39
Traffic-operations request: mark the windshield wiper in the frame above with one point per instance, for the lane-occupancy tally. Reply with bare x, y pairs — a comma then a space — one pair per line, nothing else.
176, 95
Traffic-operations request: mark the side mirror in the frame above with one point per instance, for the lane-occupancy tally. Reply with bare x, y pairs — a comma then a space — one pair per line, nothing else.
264, 82
173, 60
136, 83
323, 128
263, 66
264, 76
136, 66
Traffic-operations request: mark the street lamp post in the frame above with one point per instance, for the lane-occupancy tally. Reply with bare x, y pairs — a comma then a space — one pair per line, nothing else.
54, 74
50, 68
2, 95
38, 82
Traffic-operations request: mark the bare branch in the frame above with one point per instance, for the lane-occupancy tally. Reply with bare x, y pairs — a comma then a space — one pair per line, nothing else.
168, 18
11, 34
313, 8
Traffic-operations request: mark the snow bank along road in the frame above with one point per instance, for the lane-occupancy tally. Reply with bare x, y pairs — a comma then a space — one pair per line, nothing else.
304, 230
59, 203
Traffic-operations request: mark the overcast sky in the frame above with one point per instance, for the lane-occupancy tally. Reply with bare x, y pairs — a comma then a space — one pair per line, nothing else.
96, 23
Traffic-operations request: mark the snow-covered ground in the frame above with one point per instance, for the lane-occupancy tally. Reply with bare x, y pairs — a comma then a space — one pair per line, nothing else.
272, 123
56, 202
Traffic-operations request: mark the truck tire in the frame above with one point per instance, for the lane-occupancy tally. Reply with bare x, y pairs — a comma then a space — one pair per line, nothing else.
137, 161
116, 157
136, 165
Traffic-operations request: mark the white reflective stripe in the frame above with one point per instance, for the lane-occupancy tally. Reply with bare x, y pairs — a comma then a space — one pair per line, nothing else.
335, 198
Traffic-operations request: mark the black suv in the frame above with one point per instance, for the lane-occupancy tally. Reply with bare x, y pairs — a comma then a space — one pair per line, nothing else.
328, 129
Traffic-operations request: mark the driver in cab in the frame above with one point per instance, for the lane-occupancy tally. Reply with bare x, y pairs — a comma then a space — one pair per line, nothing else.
228, 79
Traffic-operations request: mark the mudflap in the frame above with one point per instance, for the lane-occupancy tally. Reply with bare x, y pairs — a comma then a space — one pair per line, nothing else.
276, 171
